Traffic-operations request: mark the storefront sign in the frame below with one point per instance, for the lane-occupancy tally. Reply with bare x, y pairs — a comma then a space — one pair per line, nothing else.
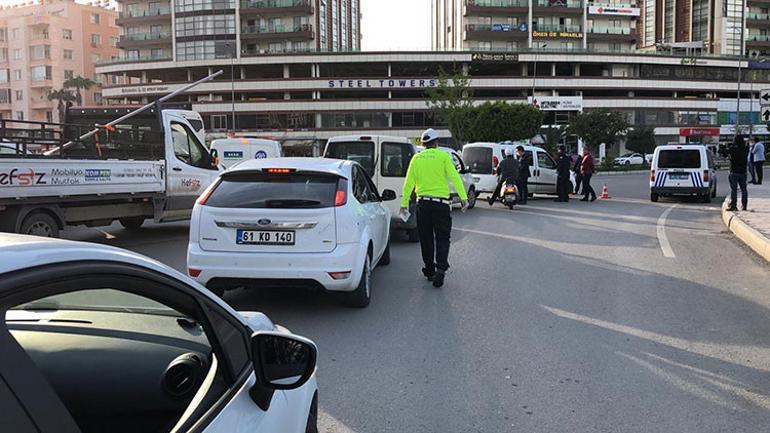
141, 90
557, 103
698, 132
558, 35
609, 10
382, 84
494, 57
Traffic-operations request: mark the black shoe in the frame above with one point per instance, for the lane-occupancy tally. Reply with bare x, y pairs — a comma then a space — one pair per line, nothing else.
584, 199
593, 198
491, 201
732, 209
438, 279
429, 274
744, 208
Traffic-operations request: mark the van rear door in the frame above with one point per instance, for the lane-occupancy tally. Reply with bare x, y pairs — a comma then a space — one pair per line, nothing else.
679, 168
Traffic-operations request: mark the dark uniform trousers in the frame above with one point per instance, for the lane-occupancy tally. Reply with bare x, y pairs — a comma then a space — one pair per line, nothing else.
562, 188
434, 224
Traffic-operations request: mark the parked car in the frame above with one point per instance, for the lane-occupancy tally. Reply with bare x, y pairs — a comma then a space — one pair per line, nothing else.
312, 222
465, 175
108, 340
683, 170
629, 159
385, 159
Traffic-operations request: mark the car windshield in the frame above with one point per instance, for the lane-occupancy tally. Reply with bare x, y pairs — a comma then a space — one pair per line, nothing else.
679, 159
99, 300
361, 152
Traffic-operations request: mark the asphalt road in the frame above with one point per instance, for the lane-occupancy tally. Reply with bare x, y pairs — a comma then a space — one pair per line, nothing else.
615, 316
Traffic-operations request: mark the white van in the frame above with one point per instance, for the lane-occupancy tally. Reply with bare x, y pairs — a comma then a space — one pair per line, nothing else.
683, 169
482, 160
385, 159
231, 151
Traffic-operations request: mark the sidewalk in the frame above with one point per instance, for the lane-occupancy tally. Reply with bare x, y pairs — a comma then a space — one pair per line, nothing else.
752, 227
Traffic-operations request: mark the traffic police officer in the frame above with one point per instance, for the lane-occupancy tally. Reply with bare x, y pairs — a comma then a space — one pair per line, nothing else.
427, 176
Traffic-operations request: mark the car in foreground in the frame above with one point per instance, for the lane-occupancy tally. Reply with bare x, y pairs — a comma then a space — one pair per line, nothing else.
299, 222
630, 159
98, 339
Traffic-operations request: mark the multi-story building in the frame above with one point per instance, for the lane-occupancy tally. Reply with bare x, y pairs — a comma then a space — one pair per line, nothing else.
519, 24
43, 45
201, 30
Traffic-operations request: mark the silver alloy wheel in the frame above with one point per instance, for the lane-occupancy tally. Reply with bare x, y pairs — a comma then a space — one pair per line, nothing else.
40, 228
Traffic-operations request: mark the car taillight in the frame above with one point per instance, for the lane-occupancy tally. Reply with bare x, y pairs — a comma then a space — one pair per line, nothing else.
280, 170
195, 273
207, 193
705, 175
652, 175
495, 162
339, 275
341, 196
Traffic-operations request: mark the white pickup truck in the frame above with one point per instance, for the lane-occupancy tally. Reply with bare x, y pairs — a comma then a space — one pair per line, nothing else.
152, 166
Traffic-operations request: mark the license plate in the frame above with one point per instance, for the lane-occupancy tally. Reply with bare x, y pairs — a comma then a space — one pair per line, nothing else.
264, 237
679, 176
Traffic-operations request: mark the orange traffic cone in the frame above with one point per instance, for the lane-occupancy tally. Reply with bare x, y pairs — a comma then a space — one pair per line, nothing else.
605, 193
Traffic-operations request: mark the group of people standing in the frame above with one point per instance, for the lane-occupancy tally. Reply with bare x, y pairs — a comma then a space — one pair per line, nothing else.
743, 158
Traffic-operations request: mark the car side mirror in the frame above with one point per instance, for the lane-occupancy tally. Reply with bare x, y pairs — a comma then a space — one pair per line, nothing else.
388, 195
282, 361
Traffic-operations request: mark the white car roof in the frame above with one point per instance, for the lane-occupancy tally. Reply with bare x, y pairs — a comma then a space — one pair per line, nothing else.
244, 141
335, 166
372, 137
680, 147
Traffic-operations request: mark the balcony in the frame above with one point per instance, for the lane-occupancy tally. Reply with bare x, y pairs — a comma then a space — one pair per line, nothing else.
557, 7
144, 39
41, 83
156, 14
495, 7
612, 33
134, 59
757, 20
41, 104
303, 32
277, 7
758, 40
493, 32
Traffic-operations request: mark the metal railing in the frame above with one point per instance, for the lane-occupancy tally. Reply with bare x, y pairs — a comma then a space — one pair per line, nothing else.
755, 16
264, 4
560, 3
556, 28
150, 36
498, 3
134, 59
152, 12
610, 30
277, 29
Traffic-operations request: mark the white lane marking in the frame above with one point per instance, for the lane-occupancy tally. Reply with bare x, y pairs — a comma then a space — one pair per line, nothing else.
479, 232
665, 246
106, 235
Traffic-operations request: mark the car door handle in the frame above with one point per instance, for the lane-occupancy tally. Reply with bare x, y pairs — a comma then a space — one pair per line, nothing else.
177, 168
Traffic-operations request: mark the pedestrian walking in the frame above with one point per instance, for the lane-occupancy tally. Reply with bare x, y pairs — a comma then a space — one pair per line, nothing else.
507, 171
752, 171
758, 153
562, 176
738, 153
578, 173
524, 163
587, 170
427, 176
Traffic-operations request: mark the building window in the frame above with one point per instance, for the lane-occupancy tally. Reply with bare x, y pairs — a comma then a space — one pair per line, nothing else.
4, 76
97, 78
40, 52
66, 34
156, 53
17, 74
68, 75
113, 41
19, 95
5, 96
14, 34
95, 18
3, 54
67, 54
219, 121
96, 40
98, 99
96, 58
49, 116
40, 73
132, 55
3, 34
19, 115
17, 54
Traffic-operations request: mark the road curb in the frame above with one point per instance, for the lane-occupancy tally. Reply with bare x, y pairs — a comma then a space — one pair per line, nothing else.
748, 235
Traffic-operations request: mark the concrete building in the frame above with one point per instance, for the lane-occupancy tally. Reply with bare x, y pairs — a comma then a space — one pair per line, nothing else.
201, 30
42, 45
520, 24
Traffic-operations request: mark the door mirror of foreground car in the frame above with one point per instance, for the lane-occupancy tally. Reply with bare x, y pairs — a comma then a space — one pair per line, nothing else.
388, 195
282, 361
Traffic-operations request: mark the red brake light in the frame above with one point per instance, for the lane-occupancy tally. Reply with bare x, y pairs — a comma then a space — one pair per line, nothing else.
341, 196
339, 275
705, 175
194, 272
280, 170
652, 175
204, 197
365, 138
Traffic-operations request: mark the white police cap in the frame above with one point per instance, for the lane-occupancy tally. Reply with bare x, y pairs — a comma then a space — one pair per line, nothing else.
428, 136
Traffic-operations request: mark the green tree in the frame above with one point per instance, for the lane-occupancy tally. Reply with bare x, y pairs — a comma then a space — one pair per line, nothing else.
63, 96
79, 84
452, 100
500, 121
552, 137
641, 139
598, 126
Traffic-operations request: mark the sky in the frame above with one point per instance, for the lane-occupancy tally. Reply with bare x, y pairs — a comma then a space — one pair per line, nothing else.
389, 25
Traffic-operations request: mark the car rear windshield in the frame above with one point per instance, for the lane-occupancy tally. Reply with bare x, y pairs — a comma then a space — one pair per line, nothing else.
478, 159
259, 190
361, 152
679, 159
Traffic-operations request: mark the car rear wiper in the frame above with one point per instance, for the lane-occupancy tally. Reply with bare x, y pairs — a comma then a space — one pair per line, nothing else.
291, 203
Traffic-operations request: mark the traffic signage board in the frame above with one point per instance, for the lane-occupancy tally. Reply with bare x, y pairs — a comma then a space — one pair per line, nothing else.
764, 97
766, 114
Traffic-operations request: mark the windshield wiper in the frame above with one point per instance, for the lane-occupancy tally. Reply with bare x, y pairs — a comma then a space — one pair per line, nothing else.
291, 203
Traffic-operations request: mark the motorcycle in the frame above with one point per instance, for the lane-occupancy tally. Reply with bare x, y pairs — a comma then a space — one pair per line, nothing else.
509, 194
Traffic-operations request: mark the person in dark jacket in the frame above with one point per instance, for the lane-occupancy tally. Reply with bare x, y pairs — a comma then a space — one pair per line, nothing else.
524, 163
578, 174
562, 173
587, 170
738, 153
507, 171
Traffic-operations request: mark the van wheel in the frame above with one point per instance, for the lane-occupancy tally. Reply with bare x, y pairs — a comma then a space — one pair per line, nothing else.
413, 235
361, 297
132, 222
40, 224
472, 198
385, 259
654, 196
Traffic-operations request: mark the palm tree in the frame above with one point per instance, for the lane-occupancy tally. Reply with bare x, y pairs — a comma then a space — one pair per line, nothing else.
79, 83
552, 138
65, 97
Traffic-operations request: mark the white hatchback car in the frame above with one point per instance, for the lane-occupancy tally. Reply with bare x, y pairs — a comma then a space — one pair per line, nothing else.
95, 339
291, 221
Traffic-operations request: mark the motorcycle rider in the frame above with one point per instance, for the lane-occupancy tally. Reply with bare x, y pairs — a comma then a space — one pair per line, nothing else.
507, 172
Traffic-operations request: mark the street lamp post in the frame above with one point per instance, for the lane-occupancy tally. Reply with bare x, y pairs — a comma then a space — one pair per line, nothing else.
232, 81
534, 72
740, 59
